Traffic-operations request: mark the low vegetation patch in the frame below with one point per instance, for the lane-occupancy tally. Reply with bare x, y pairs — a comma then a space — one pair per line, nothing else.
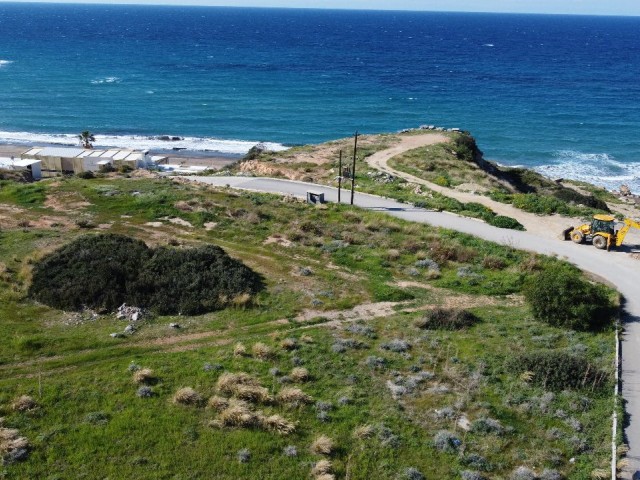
559, 296
446, 319
559, 370
104, 271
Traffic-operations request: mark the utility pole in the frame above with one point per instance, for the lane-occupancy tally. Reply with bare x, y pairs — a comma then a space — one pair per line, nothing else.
353, 170
339, 176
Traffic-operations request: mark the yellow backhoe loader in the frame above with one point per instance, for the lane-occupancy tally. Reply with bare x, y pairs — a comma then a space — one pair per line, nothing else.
601, 232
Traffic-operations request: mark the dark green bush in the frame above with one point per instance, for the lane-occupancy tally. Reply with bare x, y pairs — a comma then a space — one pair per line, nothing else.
466, 148
559, 370
502, 221
559, 296
447, 319
192, 281
104, 271
86, 175
571, 196
92, 271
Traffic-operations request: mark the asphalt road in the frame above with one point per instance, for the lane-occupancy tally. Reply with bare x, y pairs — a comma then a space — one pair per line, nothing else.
615, 267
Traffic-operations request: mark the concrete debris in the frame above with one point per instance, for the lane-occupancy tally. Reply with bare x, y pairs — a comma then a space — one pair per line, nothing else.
174, 325
131, 314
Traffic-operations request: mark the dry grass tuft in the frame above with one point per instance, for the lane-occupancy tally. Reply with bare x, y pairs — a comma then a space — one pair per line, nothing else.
144, 375
187, 396
289, 344
306, 338
217, 403
12, 446
244, 386
24, 403
252, 393
278, 424
239, 415
363, 432
239, 350
261, 351
299, 374
326, 476
321, 468
322, 445
293, 397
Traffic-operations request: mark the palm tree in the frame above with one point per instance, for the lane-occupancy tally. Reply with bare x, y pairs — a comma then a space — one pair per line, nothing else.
86, 138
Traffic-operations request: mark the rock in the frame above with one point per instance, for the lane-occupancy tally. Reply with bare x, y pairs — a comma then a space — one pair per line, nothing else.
129, 329
135, 316
176, 139
174, 325
115, 335
464, 423
624, 190
165, 138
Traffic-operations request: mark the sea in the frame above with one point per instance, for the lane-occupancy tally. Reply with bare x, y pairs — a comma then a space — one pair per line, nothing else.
557, 93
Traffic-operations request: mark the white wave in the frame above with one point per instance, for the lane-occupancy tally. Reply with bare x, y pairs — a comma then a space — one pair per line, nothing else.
99, 81
488, 45
140, 142
600, 169
5, 62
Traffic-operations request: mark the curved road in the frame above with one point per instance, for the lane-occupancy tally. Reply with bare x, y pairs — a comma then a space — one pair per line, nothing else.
616, 267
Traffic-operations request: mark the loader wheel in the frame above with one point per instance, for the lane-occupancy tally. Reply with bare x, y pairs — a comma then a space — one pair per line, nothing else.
577, 236
600, 242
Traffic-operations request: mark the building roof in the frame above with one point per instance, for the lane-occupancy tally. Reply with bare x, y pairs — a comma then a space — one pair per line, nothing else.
67, 152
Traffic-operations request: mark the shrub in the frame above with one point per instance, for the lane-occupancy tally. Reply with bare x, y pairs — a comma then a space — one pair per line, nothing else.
187, 396
559, 370
239, 350
363, 432
396, 345
217, 403
290, 451
293, 397
502, 221
86, 175
145, 392
229, 383
192, 281
104, 271
559, 296
321, 467
244, 455
299, 374
289, 344
471, 475
446, 441
484, 426
278, 424
447, 319
144, 375
523, 473
261, 351
24, 403
322, 445
13, 447
412, 473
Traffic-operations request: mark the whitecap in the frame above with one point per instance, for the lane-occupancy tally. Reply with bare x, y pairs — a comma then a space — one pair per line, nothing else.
142, 142
99, 81
488, 45
600, 169
5, 62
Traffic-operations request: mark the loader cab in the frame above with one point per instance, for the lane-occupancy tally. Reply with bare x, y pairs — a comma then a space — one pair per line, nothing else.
603, 223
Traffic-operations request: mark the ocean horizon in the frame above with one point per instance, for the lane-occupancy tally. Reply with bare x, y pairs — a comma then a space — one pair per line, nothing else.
556, 93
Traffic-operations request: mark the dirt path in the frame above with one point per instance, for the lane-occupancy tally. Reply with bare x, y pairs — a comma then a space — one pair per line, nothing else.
545, 226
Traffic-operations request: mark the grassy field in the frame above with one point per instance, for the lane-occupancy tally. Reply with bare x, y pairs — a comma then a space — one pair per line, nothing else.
345, 291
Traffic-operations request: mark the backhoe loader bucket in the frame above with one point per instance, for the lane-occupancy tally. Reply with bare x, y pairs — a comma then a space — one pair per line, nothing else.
566, 234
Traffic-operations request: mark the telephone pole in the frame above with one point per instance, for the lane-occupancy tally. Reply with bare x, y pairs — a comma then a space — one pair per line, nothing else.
339, 176
353, 169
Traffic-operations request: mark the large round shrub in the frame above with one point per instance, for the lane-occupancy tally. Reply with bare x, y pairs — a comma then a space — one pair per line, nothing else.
92, 271
193, 281
559, 296
104, 271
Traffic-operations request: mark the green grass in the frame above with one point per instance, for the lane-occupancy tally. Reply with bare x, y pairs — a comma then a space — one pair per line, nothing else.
77, 373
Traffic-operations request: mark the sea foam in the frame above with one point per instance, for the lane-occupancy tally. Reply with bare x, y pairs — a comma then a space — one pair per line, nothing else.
5, 62
139, 142
599, 169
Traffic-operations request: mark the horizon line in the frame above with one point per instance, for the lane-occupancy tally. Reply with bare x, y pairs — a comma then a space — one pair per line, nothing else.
353, 9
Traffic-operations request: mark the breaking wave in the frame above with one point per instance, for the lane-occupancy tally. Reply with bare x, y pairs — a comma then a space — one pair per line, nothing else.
5, 62
140, 142
599, 169
99, 81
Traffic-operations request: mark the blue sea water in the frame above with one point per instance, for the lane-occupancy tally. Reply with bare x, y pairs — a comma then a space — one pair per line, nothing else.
558, 93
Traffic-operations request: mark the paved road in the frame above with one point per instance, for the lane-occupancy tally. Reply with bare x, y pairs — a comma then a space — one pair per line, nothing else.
617, 267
